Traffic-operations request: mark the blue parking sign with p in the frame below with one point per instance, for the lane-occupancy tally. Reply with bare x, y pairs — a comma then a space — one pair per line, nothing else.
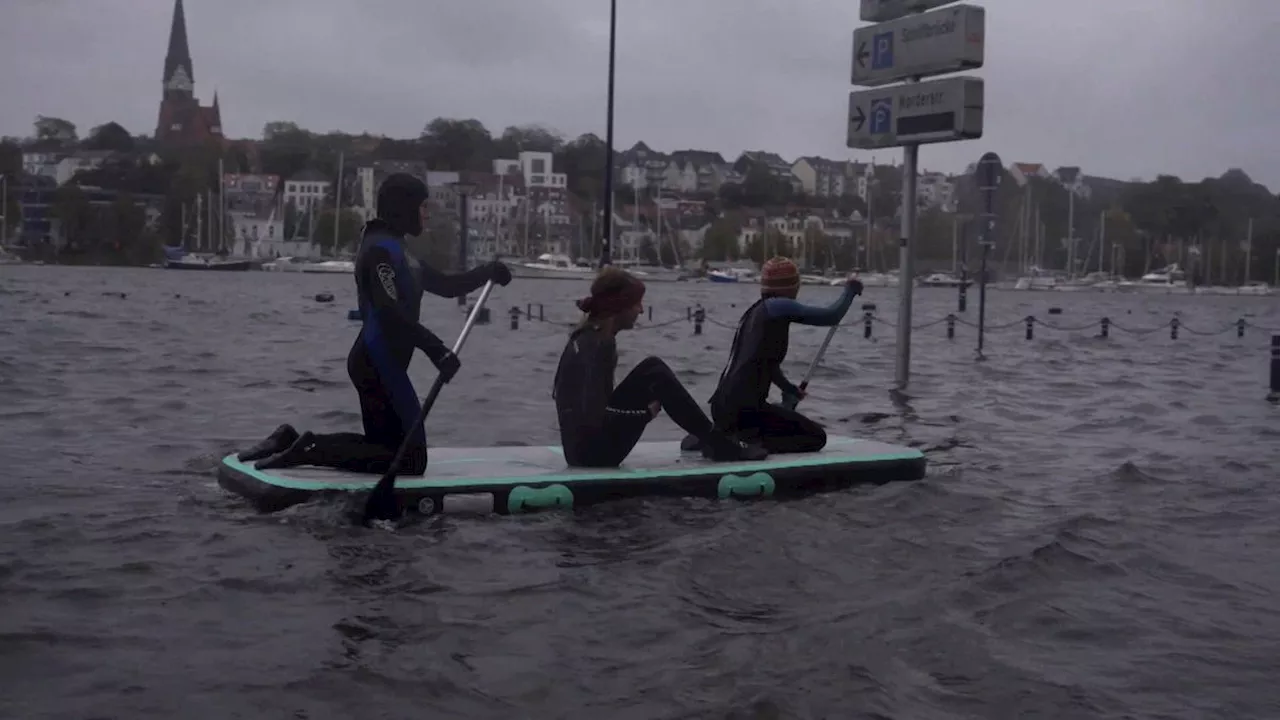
881, 116
882, 51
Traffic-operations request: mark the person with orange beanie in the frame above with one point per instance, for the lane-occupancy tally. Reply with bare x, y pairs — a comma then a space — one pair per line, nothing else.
740, 403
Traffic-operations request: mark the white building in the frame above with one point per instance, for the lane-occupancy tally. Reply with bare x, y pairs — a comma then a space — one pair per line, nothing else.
935, 191
307, 191
262, 236
642, 167
61, 166
255, 211
536, 169
820, 177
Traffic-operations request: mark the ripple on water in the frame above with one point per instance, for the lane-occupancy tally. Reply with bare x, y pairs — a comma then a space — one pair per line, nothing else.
1095, 537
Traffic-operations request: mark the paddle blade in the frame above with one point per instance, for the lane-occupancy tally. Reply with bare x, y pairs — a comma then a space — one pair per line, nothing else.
382, 503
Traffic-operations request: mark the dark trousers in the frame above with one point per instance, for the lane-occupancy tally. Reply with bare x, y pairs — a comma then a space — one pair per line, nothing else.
388, 408
609, 445
776, 428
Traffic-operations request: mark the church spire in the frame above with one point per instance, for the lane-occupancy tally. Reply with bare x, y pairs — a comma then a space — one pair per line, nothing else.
177, 62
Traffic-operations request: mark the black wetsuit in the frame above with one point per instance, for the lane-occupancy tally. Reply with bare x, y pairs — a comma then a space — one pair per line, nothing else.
600, 424
389, 287
389, 284
740, 402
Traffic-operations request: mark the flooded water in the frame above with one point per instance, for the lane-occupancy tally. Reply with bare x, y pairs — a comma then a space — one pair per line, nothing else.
1096, 537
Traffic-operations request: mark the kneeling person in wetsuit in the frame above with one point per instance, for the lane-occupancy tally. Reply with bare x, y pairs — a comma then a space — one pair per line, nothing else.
600, 424
740, 403
389, 285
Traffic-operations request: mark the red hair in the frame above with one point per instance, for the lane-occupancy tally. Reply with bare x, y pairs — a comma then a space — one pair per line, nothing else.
613, 291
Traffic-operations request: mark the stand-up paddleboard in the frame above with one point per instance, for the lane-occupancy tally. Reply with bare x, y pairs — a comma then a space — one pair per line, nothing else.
520, 479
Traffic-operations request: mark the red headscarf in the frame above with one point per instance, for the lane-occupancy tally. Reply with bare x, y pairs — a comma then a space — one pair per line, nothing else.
615, 300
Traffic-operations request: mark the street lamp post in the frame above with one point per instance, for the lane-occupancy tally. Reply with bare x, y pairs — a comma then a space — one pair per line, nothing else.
606, 243
463, 189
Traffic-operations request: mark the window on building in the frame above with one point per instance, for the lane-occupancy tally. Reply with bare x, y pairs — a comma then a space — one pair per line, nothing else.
539, 165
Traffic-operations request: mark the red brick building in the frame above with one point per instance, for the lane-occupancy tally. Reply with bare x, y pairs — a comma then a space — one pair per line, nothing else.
182, 120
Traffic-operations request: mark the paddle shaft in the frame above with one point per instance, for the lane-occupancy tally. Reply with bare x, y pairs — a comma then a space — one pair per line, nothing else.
387, 482
822, 350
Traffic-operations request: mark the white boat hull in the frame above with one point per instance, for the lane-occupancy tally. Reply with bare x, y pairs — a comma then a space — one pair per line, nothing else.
521, 270
1153, 288
1253, 290
870, 280
343, 267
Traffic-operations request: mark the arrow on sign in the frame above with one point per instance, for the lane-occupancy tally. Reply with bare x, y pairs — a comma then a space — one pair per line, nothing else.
859, 120
863, 54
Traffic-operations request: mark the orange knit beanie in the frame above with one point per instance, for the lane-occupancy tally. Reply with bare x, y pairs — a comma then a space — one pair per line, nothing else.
779, 274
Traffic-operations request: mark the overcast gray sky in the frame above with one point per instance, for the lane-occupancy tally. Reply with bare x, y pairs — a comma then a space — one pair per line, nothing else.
1123, 88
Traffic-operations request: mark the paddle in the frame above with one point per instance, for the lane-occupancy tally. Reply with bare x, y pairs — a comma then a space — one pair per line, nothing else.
382, 503
790, 402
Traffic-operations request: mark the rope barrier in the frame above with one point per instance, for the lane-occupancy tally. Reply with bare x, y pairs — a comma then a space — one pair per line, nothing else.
697, 317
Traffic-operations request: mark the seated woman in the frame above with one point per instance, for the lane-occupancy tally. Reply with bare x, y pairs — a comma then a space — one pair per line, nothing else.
600, 424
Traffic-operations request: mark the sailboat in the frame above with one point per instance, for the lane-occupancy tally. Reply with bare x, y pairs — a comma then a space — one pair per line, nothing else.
177, 258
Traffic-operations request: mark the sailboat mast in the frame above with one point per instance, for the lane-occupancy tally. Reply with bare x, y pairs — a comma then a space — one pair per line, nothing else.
1102, 239
594, 219
1248, 253
498, 245
209, 220
222, 207
337, 204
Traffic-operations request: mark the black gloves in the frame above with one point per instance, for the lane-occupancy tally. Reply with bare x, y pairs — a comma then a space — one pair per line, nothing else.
499, 273
447, 364
856, 284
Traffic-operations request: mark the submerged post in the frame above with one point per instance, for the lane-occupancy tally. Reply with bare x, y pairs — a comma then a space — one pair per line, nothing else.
990, 170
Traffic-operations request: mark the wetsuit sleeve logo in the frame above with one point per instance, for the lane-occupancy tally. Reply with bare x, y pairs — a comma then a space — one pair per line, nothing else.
387, 276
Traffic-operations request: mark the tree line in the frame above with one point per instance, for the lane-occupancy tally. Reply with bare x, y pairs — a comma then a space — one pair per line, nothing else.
1203, 225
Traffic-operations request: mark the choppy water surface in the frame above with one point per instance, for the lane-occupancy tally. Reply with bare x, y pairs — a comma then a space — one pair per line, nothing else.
1096, 537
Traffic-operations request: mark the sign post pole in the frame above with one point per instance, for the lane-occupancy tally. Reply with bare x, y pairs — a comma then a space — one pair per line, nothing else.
910, 44
906, 266
989, 172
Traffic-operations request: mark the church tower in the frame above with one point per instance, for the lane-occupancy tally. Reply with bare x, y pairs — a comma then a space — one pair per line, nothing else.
181, 119
179, 79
